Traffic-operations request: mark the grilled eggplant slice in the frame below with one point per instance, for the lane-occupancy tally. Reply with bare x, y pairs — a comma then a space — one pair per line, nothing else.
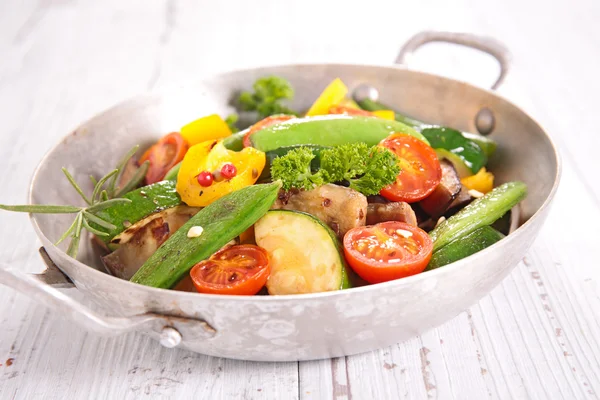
137, 243
440, 199
395, 211
463, 198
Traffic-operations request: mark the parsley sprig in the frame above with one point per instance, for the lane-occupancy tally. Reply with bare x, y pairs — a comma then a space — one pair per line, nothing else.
267, 97
365, 169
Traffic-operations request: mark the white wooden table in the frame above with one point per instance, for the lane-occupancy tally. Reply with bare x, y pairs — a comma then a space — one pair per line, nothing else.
534, 336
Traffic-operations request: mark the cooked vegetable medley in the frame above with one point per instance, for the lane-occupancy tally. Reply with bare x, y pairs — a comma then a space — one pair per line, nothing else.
302, 201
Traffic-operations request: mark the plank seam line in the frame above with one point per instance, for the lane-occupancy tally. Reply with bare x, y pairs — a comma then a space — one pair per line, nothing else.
508, 344
437, 334
520, 331
541, 319
482, 353
559, 305
561, 325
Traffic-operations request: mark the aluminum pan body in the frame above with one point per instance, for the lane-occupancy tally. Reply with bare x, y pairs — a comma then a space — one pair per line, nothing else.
269, 328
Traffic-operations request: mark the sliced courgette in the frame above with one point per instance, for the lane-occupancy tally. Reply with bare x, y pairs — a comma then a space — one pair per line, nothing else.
465, 246
459, 165
305, 254
144, 202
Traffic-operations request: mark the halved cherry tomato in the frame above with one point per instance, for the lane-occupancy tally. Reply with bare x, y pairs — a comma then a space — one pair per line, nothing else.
163, 156
349, 111
420, 170
240, 270
264, 123
387, 251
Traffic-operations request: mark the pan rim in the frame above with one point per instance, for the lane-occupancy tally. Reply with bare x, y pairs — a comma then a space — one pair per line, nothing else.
433, 274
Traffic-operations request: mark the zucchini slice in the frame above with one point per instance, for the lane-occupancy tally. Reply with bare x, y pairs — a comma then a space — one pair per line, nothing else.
145, 201
305, 254
464, 246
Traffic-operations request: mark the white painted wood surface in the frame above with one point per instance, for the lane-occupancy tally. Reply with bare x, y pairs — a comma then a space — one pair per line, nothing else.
535, 336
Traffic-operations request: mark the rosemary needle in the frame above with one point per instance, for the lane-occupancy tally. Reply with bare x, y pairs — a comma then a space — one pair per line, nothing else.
105, 194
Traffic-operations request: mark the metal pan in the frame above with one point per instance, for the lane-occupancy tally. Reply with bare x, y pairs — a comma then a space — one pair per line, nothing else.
296, 327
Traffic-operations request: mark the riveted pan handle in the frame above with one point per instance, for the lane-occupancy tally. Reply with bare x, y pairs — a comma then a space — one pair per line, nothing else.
42, 288
482, 43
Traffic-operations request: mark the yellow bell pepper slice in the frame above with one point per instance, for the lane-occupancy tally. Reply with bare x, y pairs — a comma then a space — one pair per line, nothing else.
205, 128
211, 156
385, 114
333, 94
482, 181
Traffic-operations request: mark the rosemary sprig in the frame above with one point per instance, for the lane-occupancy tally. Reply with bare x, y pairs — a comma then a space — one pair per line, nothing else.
106, 194
101, 182
44, 209
112, 186
135, 180
76, 186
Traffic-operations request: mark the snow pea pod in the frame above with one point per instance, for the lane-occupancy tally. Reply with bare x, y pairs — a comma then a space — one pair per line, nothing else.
329, 130
487, 145
481, 212
221, 221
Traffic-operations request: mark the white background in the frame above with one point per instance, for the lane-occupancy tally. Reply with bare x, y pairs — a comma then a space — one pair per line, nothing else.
534, 336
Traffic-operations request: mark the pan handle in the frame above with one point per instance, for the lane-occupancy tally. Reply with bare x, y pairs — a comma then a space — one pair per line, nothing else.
170, 330
483, 43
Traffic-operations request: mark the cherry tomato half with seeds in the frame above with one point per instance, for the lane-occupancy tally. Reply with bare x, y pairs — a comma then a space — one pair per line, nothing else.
163, 156
239, 270
420, 170
387, 251
264, 123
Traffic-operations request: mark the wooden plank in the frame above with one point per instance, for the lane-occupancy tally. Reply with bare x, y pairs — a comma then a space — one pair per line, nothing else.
399, 372
464, 360
316, 380
253, 380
